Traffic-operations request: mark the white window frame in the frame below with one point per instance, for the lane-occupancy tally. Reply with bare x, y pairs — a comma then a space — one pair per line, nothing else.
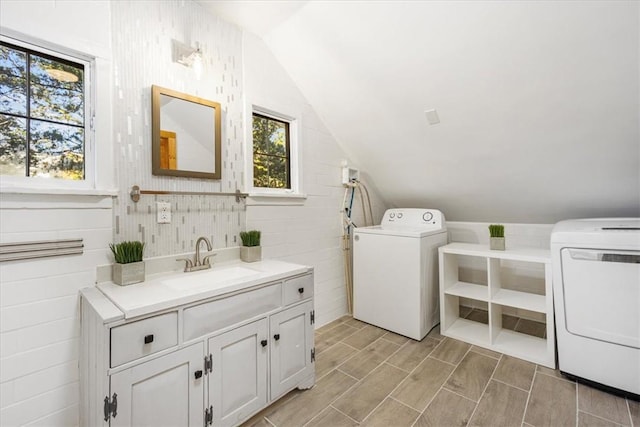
295, 155
29, 184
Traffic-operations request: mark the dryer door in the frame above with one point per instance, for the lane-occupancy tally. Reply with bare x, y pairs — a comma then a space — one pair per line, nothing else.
602, 294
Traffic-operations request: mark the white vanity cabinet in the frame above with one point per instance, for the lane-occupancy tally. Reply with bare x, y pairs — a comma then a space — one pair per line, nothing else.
216, 358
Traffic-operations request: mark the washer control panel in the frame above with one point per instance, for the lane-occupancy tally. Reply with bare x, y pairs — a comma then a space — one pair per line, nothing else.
412, 218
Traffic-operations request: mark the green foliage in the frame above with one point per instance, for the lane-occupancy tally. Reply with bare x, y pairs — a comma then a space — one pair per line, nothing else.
250, 238
270, 153
496, 230
127, 252
49, 140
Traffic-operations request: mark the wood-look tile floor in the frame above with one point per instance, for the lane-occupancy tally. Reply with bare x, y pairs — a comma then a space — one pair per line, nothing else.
371, 377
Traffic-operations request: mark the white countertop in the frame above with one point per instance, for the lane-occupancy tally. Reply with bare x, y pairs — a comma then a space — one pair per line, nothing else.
162, 291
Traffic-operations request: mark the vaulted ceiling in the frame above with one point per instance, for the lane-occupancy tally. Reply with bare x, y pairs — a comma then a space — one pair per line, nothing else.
538, 102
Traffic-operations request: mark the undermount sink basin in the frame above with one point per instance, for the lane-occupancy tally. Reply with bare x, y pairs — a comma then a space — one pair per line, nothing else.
220, 276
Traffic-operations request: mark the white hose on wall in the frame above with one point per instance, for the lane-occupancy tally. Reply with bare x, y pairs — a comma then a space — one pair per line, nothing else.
347, 210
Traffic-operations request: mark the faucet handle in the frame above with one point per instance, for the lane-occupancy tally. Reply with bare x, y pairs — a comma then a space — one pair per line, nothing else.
188, 264
205, 260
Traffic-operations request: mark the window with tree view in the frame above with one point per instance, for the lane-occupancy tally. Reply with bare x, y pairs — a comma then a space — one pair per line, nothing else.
271, 152
42, 115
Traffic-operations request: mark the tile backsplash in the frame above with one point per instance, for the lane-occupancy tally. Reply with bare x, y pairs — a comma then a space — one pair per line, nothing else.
142, 56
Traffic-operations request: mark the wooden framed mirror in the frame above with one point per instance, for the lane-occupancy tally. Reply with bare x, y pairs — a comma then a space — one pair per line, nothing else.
186, 135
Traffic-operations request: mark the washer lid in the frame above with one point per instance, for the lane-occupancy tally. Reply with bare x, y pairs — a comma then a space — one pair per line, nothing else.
598, 232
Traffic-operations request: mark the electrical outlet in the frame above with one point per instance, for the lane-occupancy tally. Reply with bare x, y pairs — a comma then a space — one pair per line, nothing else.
164, 212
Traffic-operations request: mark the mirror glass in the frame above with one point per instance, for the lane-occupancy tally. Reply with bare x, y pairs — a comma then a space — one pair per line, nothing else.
185, 135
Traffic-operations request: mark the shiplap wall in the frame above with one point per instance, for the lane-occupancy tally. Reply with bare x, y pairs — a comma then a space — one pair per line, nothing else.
39, 323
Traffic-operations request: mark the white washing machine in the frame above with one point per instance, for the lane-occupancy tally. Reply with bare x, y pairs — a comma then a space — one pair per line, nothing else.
596, 284
395, 271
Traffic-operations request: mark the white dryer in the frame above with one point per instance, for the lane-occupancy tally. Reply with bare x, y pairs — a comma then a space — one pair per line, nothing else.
395, 271
596, 283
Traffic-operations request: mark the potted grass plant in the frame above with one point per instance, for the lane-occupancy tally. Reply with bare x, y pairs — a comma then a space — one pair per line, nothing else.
250, 251
496, 237
129, 266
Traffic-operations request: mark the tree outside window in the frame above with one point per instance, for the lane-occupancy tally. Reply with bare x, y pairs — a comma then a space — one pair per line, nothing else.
42, 115
271, 153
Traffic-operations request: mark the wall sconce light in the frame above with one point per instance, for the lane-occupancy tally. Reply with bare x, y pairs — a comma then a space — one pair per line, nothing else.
188, 56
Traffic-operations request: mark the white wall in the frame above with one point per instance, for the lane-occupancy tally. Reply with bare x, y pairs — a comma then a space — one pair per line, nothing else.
39, 325
309, 233
538, 101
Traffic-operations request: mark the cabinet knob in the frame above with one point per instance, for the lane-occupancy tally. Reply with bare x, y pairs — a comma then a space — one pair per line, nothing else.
276, 337
198, 374
301, 290
148, 339
264, 343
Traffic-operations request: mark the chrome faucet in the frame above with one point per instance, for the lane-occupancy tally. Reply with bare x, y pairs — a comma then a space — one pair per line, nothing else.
197, 264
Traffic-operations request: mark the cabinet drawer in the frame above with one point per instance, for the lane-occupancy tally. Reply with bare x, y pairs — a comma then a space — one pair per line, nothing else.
298, 289
212, 316
144, 337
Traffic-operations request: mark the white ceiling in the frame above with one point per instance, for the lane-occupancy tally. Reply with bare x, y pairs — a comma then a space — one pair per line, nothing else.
538, 101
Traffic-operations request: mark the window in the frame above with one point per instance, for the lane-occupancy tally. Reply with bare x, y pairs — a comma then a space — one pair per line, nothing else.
43, 113
271, 152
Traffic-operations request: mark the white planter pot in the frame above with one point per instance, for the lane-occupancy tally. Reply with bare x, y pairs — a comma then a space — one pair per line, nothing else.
128, 274
496, 243
250, 253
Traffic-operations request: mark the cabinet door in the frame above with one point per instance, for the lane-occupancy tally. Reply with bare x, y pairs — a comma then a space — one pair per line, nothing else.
291, 343
161, 392
238, 382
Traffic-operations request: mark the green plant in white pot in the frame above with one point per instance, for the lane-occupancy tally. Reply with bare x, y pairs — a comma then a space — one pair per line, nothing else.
496, 237
250, 251
129, 266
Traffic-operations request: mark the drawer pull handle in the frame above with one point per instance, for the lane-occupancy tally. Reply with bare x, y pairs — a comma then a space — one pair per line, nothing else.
301, 290
148, 339
198, 373
276, 337
264, 343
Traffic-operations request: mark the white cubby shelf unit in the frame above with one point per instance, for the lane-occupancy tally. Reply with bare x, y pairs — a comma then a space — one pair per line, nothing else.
497, 295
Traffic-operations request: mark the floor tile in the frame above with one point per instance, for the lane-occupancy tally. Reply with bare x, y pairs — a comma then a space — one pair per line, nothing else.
486, 352
413, 353
423, 384
531, 327
306, 405
395, 338
516, 372
451, 351
552, 402
370, 392
369, 358
354, 323
391, 413
364, 336
259, 421
472, 375
588, 420
480, 316
501, 405
603, 405
634, 408
324, 328
332, 357
464, 311
447, 409
325, 340
330, 417
509, 322
435, 333
552, 372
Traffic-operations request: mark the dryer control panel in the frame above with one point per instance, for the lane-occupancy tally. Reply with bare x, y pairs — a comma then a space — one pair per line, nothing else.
412, 218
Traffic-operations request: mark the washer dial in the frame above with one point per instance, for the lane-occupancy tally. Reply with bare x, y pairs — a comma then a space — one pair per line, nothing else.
427, 216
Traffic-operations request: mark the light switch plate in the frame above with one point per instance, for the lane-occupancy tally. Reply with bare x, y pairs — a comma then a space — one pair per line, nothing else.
163, 210
432, 117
